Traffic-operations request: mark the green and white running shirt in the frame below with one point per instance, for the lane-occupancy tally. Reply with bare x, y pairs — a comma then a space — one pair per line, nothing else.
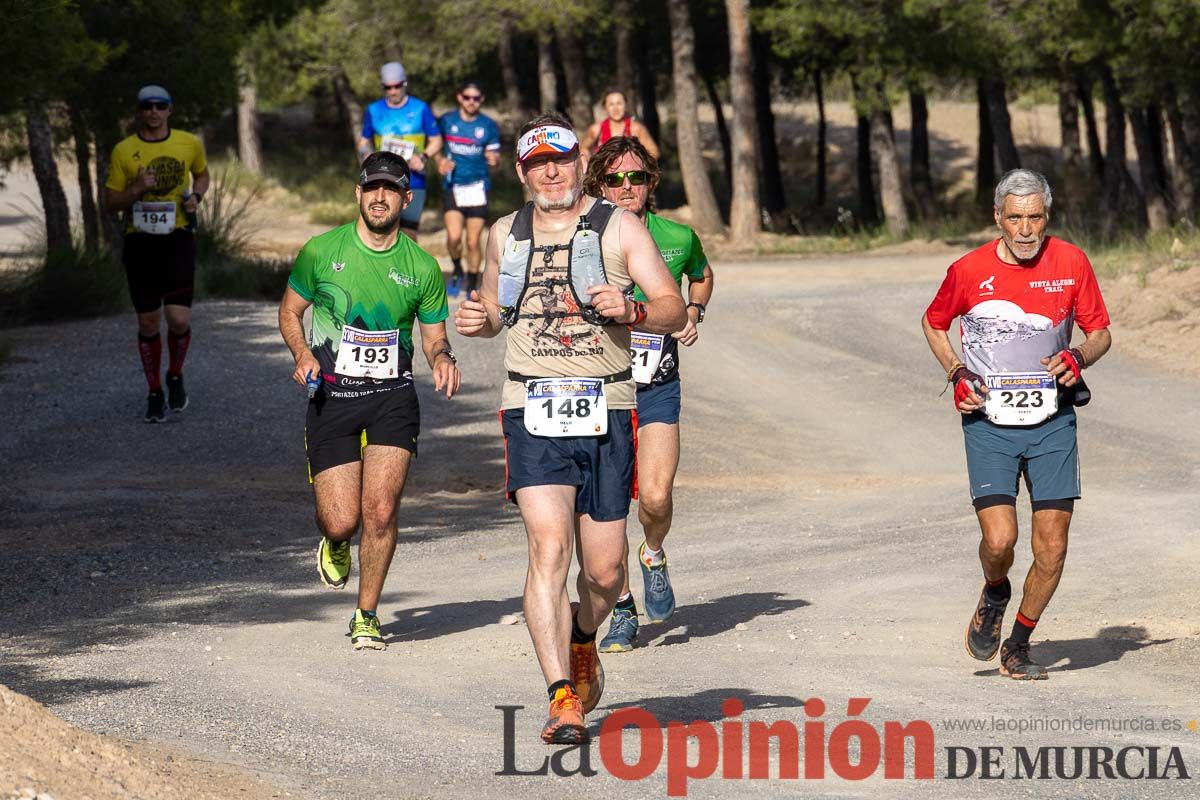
681, 249
351, 285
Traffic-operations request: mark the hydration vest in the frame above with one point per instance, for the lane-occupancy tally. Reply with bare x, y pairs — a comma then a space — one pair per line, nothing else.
516, 264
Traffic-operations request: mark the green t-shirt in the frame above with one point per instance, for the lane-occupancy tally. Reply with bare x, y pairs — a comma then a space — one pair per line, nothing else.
681, 249
349, 284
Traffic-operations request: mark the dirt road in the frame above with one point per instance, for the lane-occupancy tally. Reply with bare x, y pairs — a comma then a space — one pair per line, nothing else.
157, 582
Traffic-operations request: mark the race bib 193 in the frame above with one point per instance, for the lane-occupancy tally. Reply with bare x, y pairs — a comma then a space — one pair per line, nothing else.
646, 350
395, 144
368, 354
566, 407
156, 218
1020, 398
470, 195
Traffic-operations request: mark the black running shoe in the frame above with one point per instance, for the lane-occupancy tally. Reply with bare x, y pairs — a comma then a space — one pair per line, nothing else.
983, 631
156, 407
177, 397
1015, 663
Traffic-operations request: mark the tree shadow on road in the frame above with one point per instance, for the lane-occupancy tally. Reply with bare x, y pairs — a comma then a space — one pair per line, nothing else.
713, 617
1109, 644
705, 705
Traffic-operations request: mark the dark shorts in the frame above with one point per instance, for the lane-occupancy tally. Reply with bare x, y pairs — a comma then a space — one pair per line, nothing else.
161, 270
411, 216
659, 403
998, 455
448, 204
602, 468
336, 430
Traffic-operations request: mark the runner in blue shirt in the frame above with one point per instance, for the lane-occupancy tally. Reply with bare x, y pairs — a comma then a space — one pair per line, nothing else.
472, 145
406, 126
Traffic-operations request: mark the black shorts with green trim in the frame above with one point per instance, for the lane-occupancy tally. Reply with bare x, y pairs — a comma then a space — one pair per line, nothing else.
337, 429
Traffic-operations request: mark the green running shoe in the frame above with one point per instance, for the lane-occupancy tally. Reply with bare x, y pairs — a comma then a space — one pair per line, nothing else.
364, 632
333, 562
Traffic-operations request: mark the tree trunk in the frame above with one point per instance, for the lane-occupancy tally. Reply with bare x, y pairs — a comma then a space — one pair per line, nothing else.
648, 85
868, 212
1075, 190
822, 149
883, 150
547, 80
623, 16
774, 200
41, 156
508, 67
111, 229
1158, 214
985, 158
714, 99
706, 218
349, 109
1095, 154
87, 197
1006, 148
918, 159
1183, 167
1122, 200
745, 214
249, 142
570, 51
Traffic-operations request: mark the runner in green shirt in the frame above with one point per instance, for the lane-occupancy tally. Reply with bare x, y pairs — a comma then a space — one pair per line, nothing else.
366, 285
624, 173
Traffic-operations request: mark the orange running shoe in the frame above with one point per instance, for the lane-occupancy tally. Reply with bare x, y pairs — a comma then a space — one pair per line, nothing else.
587, 674
565, 724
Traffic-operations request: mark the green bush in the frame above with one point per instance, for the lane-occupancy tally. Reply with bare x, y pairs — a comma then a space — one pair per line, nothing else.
225, 223
69, 284
242, 278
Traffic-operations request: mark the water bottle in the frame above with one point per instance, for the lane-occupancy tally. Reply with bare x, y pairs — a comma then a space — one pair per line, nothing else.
587, 268
313, 382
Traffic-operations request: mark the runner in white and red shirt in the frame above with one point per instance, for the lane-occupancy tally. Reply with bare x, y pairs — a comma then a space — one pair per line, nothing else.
1019, 298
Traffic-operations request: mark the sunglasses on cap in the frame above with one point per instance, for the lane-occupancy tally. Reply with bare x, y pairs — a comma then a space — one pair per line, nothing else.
399, 85
150, 104
636, 178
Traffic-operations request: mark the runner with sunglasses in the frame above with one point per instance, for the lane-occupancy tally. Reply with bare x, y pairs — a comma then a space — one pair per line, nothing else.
472, 146
148, 180
403, 125
625, 173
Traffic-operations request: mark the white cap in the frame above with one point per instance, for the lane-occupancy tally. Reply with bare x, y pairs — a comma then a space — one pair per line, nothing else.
392, 73
153, 93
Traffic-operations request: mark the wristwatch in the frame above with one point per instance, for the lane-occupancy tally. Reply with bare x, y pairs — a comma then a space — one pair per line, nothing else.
699, 310
448, 353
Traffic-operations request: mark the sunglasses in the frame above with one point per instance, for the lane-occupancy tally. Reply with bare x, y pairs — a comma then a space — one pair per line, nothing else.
399, 85
636, 178
472, 98
155, 106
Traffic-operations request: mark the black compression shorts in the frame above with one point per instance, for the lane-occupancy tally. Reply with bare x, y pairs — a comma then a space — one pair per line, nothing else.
161, 269
336, 430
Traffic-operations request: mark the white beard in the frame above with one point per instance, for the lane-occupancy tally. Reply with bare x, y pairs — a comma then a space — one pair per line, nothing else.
566, 201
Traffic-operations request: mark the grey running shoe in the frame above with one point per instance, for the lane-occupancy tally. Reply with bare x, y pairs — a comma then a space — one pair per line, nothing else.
1015, 663
622, 632
983, 631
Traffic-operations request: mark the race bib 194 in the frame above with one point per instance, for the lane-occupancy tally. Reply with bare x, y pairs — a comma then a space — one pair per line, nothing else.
1020, 398
646, 350
470, 195
156, 218
566, 407
368, 354
395, 144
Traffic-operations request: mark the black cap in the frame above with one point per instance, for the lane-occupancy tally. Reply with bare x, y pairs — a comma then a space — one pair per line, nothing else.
387, 167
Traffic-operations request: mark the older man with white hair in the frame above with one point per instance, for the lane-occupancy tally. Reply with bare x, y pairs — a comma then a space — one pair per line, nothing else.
1019, 297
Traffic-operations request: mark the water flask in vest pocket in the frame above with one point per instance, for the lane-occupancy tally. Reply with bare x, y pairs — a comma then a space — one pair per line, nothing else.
587, 269
513, 264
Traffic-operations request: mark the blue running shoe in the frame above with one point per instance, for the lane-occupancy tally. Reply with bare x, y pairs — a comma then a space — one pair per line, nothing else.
454, 286
622, 632
659, 597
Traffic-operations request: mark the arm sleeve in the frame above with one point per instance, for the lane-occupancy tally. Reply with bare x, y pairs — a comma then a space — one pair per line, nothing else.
303, 278
697, 260
429, 123
199, 162
434, 307
368, 126
1090, 311
947, 304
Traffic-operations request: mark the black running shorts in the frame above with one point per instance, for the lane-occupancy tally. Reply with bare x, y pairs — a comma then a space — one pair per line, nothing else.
161, 269
337, 430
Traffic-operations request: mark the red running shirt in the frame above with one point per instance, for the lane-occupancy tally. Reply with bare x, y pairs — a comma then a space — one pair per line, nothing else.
1013, 315
606, 129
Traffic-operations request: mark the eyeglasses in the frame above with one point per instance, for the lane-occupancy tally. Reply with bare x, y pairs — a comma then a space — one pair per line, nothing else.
472, 98
636, 178
156, 106
399, 85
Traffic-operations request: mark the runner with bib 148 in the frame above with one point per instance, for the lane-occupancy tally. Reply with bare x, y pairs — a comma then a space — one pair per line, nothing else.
558, 278
623, 172
1019, 297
